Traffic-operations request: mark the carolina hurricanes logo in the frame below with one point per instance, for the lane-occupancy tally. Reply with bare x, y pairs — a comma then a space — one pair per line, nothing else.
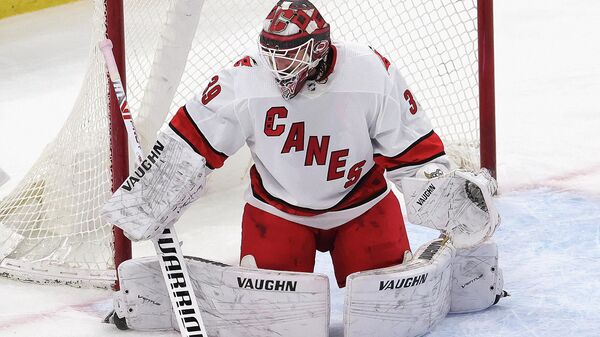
281, 21
321, 47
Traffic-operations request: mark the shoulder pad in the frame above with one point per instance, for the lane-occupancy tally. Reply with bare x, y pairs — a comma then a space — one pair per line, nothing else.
246, 61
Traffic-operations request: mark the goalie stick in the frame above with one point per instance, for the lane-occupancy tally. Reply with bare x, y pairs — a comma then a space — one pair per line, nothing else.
173, 267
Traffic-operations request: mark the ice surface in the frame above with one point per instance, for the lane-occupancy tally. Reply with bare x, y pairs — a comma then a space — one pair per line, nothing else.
548, 121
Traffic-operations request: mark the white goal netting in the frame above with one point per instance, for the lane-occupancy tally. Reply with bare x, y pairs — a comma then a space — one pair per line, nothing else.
49, 224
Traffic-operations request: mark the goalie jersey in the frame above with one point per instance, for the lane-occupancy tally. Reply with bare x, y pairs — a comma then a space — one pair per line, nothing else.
319, 158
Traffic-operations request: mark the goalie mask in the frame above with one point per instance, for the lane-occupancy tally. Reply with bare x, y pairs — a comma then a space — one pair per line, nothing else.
294, 40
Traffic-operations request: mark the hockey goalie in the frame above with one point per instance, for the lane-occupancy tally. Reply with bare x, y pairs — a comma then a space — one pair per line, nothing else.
331, 126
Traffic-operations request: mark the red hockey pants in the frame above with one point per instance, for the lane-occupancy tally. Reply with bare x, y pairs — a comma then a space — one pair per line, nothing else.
376, 239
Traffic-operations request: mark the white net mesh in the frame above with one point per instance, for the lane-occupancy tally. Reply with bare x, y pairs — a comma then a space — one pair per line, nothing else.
433, 42
49, 225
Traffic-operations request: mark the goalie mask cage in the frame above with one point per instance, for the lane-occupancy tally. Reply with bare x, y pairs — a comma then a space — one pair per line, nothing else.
50, 229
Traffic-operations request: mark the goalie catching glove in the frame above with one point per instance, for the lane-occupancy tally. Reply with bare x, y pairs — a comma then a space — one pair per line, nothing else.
458, 204
154, 196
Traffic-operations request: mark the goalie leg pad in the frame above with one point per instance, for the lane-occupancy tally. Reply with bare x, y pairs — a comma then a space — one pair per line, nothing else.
234, 301
143, 300
404, 300
476, 279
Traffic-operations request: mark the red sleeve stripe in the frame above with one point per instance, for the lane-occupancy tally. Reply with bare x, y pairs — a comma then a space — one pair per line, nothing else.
423, 150
183, 125
371, 186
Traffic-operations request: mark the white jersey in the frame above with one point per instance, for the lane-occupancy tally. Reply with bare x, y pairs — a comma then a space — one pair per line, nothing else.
319, 157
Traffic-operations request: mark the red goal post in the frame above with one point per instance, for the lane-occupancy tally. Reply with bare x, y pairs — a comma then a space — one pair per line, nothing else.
487, 92
115, 31
50, 230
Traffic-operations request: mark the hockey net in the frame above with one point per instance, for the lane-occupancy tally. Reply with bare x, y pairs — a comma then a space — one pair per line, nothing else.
50, 229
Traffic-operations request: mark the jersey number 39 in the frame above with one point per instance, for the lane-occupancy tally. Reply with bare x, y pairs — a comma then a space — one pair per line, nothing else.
408, 96
211, 91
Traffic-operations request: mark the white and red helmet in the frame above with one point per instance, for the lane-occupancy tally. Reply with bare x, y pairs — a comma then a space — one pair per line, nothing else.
294, 40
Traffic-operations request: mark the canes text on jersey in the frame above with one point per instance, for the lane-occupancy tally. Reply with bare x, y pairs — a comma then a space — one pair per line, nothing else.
316, 150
